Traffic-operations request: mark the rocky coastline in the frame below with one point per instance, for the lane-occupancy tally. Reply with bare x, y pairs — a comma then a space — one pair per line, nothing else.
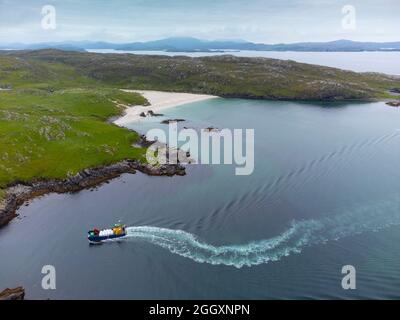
13, 294
395, 104
21, 192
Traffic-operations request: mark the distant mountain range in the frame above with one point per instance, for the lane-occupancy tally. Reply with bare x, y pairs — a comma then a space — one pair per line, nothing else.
187, 44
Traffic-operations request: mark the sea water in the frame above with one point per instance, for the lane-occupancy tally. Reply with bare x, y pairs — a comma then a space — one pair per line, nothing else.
325, 193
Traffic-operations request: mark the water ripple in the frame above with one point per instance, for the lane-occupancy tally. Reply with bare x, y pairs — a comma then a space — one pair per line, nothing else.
299, 235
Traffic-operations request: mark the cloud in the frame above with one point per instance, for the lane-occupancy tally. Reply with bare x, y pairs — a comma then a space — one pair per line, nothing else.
269, 21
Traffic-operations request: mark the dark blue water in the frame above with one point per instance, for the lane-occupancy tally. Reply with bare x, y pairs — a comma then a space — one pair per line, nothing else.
325, 193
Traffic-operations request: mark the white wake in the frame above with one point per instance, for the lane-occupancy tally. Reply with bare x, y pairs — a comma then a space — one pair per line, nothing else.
299, 234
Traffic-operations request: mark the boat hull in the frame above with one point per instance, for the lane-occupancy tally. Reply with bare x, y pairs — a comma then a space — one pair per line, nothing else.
101, 239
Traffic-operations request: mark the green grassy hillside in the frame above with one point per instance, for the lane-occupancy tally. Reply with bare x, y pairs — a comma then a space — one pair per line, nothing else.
222, 75
53, 134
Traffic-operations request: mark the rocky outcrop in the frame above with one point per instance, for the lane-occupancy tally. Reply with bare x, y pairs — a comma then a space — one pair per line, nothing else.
168, 121
150, 113
5, 86
395, 91
19, 193
13, 294
393, 103
143, 142
211, 129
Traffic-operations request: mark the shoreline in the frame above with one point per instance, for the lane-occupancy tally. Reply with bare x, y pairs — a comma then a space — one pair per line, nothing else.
159, 101
20, 192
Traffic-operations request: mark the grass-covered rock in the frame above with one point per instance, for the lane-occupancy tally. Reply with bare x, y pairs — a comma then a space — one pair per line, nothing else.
56, 134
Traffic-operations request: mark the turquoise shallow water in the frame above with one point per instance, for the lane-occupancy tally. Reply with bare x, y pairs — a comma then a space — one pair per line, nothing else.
324, 194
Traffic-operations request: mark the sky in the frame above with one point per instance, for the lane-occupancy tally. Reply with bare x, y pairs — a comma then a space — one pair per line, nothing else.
263, 21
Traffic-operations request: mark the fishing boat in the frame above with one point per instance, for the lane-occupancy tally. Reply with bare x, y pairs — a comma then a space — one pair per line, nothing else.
97, 236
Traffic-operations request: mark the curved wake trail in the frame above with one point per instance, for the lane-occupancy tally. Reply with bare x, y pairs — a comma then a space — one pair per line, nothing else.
299, 235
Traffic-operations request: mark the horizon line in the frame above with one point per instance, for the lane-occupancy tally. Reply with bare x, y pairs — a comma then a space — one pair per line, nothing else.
190, 37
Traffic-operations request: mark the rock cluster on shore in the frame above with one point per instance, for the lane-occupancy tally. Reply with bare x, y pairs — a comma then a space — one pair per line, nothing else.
13, 294
168, 121
5, 87
211, 129
395, 90
19, 193
150, 113
393, 103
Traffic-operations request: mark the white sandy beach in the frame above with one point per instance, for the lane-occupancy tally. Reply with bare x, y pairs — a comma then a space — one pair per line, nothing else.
159, 101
